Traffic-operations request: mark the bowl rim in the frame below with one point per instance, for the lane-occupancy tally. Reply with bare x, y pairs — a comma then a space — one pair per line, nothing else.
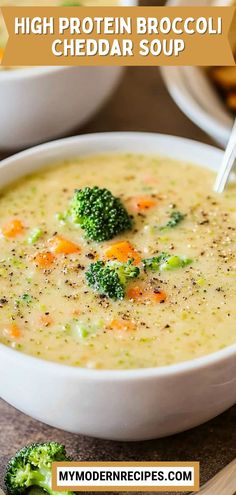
29, 72
177, 82
183, 367
188, 104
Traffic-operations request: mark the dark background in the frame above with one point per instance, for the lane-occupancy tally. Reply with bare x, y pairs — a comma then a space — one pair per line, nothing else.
140, 103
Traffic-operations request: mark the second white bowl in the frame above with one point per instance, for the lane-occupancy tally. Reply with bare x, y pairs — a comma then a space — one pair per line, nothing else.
195, 95
39, 104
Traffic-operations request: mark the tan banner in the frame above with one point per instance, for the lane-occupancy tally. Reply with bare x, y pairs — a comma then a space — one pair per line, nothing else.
119, 36
125, 476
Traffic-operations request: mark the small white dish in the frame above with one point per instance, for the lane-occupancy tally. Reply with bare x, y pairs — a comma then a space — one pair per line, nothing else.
196, 96
117, 404
41, 103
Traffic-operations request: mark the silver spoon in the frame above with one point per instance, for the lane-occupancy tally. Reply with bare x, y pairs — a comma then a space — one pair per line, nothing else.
227, 162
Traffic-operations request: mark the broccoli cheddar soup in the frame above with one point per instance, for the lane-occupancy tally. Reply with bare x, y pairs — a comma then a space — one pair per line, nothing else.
118, 261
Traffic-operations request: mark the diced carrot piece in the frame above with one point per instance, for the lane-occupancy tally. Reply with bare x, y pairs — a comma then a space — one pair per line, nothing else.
13, 228
76, 312
121, 324
44, 259
135, 293
122, 251
60, 245
138, 294
159, 296
45, 320
142, 203
14, 331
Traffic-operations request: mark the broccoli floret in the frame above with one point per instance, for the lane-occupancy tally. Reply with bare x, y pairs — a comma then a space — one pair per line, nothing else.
35, 235
175, 262
175, 218
166, 262
155, 262
35, 491
99, 213
110, 278
31, 467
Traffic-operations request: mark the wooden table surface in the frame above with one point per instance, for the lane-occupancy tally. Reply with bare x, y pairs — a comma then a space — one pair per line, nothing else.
140, 103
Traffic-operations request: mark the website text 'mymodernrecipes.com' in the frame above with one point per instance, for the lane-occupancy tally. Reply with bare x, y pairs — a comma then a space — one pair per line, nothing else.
126, 476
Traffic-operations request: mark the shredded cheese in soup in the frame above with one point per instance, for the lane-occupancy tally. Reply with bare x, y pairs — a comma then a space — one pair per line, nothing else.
178, 299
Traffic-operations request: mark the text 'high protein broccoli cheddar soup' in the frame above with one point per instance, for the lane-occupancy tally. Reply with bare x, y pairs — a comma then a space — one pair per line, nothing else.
118, 261
43, 3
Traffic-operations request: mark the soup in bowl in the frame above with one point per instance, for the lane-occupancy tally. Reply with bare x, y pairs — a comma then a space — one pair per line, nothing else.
118, 277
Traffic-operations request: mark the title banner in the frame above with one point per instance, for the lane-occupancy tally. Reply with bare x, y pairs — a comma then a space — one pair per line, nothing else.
119, 36
125, 476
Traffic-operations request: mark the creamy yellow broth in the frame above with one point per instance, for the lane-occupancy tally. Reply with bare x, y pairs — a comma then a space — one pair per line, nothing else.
49, 309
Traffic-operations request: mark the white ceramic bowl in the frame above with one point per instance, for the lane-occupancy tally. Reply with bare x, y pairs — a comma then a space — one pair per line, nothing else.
121, 405
41, 103
192, 91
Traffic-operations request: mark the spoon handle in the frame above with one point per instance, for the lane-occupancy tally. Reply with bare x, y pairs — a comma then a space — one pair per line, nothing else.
224, 483
227, 162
